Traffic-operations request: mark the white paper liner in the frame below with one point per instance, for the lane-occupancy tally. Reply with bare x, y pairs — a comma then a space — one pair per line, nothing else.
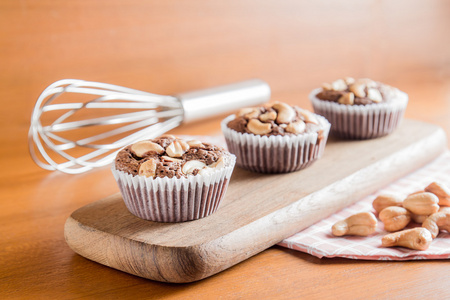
361, 121
275, 154
175, 199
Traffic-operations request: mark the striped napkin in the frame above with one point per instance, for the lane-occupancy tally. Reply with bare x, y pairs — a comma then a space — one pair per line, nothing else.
317, 239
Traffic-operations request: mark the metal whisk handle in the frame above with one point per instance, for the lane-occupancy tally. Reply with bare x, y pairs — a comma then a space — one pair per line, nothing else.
223, 99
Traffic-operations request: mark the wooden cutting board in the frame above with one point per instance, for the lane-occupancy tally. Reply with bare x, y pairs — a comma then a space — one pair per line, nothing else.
258, 210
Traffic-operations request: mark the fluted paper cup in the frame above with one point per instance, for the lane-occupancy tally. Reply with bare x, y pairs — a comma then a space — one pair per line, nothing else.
361, 121
174, 199
275, 154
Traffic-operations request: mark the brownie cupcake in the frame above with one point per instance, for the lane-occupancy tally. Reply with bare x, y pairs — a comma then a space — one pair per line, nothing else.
275, 138
359, 109
168, 179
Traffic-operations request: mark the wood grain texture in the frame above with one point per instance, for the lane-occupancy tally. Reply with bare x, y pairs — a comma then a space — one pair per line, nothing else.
258, 211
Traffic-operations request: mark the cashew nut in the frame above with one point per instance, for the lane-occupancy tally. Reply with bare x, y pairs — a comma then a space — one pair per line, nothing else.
347, 98
169, 136
257, 127
349, 80
143, 147
358, 89
308, 116
177, 148
418, 218
195, 143
374, 95
190, 166
148, 168
339, 85
417, 192
367, 82
296, 127
268, 116
172, 159
437, 221
326, 86
417, 239
444, 209
441, 191
253, 115
422, 203
395, 218
249, 112
386, 200
285, 112
220, 163
361, 224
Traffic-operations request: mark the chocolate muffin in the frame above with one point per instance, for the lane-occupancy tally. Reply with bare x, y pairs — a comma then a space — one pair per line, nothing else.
168, 179
359, 109
275, 138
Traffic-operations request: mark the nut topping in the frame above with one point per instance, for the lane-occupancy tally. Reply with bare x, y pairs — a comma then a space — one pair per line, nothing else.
365, 91
374, 95
195, 143
268, 116
148, 168
308, 116
173, 154
170, 136
296, 127
220, 163
249, 112
243, 111
143, 147
177, 148
285, 112
358, 89
277, 119
257, 127
339, 85
349, 80
326, 86
172, 159
190, 166
347, 98
367, 82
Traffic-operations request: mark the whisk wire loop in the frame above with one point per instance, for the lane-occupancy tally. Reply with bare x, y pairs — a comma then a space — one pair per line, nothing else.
74, 142
53, 147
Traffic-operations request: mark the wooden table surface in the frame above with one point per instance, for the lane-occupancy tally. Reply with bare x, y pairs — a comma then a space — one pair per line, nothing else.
35, 260
283, 44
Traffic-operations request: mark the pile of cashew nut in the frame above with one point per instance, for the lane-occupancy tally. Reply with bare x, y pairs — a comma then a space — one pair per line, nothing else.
430, 207
291, 119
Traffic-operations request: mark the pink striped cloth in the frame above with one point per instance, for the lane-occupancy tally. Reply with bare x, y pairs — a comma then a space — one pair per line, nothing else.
317, 239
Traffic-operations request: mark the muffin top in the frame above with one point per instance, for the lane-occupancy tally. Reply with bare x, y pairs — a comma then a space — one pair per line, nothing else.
275, 119
169, 156
357, 92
